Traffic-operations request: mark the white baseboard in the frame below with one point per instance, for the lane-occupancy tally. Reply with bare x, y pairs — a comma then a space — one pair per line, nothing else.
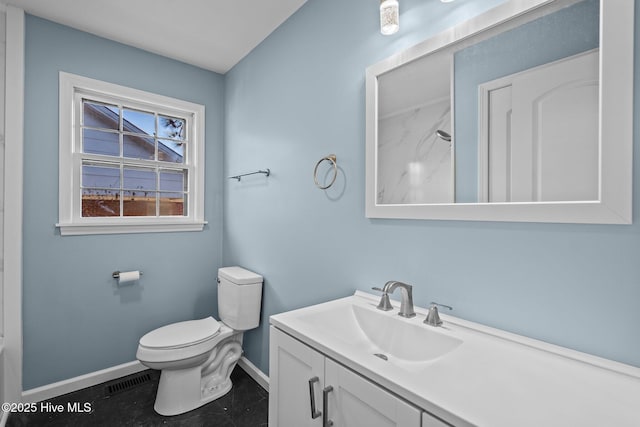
254, 372
83, 381
98, 377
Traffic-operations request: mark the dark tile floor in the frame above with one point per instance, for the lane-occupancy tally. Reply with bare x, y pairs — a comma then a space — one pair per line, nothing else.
246, 405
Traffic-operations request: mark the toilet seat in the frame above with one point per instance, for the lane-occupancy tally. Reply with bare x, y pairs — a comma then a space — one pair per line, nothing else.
181, 334
178, 342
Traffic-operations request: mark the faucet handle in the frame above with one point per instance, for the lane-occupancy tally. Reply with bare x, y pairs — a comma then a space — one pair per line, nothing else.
437, 304
433, 318
384, 304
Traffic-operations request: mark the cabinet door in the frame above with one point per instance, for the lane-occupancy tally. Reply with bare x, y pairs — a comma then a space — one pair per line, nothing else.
429, 420
357, 402
292, 365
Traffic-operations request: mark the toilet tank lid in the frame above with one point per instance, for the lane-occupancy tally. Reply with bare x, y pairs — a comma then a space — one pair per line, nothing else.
181, 334
239, 275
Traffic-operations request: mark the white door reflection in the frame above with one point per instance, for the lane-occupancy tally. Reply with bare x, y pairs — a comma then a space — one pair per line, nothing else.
541, 142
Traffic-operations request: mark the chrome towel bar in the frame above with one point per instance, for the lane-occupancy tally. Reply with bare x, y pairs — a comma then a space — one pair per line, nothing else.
267, 172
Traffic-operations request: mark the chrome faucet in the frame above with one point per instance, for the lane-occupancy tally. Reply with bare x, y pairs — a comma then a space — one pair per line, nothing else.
384, 304
433, 318
406, 303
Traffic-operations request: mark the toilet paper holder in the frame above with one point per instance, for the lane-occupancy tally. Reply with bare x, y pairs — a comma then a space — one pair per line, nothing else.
116, 274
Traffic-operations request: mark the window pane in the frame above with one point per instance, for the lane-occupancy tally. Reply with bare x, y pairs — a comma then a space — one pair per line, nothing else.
140, 180
138, 203
170, 151
100, 203
102, 116
173, 180
138, 147
99, 142
171, 127
138, 122
173, 204
101, 176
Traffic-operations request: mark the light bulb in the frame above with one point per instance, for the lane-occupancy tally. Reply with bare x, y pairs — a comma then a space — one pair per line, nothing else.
389, 17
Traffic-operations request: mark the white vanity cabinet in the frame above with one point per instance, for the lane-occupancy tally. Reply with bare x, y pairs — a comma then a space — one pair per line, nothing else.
386, 370
292, 367
345, 398
429, 420
355, 401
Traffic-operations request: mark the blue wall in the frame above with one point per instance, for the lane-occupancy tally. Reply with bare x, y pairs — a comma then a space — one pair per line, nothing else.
75, 319
567, 32
300, 96
296, 98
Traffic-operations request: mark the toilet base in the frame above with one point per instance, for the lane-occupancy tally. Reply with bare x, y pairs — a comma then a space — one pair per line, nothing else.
183, 390
168, 403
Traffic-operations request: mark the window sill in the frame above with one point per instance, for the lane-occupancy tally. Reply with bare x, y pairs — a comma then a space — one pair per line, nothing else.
78, 229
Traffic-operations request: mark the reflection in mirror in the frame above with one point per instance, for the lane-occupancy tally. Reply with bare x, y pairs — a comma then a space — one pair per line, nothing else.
503, 109
525, 107
533, 135
540, 138
414, 132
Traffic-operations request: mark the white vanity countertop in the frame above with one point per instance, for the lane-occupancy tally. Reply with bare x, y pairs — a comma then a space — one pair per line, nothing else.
494, 378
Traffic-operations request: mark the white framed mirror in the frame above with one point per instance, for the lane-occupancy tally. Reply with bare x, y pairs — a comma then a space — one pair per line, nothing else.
471, 125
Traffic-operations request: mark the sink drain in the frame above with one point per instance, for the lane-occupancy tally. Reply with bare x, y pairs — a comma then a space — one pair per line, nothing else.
381, 356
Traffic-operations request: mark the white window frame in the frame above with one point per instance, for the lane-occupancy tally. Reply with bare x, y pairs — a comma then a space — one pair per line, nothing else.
70, 217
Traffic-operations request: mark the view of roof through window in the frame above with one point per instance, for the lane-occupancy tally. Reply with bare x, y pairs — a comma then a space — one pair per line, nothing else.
171, 131
115, 183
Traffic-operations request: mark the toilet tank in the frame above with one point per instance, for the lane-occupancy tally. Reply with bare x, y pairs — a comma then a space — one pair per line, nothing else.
239, 297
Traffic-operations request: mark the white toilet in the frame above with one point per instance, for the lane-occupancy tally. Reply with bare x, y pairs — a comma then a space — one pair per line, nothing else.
196, 357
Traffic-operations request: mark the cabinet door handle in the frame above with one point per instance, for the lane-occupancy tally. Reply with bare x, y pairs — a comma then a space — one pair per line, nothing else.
314, 411
326, 422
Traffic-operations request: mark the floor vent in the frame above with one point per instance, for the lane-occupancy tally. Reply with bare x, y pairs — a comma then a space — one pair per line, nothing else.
127, 383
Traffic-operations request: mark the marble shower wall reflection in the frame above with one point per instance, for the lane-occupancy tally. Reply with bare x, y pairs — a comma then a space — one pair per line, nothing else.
414, 164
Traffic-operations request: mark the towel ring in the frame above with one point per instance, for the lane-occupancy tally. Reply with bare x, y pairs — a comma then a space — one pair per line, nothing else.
330, 158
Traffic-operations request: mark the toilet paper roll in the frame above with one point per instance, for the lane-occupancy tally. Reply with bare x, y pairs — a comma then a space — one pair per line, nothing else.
128, 277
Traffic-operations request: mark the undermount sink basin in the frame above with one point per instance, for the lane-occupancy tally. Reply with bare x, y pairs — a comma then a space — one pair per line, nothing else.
358, 324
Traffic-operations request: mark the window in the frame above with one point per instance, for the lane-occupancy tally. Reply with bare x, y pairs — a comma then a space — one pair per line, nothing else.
130, 161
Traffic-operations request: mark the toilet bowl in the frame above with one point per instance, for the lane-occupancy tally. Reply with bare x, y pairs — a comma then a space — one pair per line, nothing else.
196, 357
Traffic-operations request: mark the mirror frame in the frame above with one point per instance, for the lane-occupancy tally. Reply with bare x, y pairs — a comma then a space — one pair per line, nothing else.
615, 132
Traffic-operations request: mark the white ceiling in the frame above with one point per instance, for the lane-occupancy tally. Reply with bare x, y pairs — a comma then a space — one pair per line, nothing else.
212, 34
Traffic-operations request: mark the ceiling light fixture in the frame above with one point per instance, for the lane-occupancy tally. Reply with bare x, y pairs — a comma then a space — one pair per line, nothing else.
389, 17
